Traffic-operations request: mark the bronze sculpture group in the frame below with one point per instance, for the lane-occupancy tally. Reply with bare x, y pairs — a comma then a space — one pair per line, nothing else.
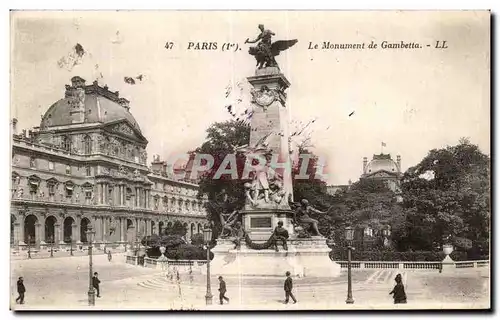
266, 50
304, 225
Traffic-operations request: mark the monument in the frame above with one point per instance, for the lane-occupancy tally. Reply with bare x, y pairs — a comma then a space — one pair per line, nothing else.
250, 239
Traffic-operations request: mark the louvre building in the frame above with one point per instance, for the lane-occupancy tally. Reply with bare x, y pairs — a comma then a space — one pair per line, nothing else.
86, 164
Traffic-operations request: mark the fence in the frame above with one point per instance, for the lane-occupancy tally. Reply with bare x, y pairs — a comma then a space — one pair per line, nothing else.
411, 264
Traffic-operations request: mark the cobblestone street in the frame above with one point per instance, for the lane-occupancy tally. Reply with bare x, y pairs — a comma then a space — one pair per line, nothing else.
126, 286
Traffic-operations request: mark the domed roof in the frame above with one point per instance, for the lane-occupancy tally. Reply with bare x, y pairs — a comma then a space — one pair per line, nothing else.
99, 106
382, 162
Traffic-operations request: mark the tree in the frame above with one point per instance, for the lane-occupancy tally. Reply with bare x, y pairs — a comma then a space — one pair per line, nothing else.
448, 194
177, 228
197, 239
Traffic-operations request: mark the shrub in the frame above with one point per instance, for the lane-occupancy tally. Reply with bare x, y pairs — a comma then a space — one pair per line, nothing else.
340, 254
197, 239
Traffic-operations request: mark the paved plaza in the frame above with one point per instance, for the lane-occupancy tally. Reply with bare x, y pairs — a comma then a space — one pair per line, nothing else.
62, 283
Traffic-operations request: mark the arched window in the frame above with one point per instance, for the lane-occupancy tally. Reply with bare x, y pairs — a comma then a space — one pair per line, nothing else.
87, 144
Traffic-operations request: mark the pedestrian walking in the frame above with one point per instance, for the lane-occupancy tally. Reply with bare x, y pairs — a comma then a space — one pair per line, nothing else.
109, 256
95, 283
398, 292
20, 290
288, 288
222, 290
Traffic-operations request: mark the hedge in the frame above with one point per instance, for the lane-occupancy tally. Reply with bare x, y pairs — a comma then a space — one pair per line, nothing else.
181, 252
341, 255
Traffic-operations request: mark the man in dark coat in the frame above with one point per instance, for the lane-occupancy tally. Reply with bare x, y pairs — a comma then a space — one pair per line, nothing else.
398, 292
95, 283
280, 234
288, 288
21, 290
222, 290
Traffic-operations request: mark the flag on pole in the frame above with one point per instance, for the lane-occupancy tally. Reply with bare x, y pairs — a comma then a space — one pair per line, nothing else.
383, 144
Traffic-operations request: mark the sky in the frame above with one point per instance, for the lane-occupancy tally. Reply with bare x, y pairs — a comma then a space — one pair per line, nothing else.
412, 100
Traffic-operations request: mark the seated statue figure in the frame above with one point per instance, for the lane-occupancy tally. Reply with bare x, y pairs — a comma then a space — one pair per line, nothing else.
238, 234
227, 222
301, 216
280, 234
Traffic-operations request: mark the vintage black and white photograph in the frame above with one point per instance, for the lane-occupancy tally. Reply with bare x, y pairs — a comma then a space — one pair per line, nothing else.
250, 160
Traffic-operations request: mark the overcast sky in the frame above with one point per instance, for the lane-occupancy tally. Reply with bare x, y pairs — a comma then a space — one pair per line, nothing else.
413, 100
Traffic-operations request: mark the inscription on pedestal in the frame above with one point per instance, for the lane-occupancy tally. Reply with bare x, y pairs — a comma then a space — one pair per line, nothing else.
260, 222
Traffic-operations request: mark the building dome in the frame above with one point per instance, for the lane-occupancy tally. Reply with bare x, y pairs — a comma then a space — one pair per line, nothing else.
381, 162
88, 104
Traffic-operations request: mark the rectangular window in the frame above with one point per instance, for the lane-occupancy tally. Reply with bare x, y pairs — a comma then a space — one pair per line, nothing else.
51, 165
88, 171
69, 192
88, 194
51, 188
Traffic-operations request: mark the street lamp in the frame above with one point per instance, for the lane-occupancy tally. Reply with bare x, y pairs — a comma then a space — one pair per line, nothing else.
349, 236
91, 293
207, 236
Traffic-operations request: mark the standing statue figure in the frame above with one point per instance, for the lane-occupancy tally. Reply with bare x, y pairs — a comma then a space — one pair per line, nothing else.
265, 51
301, 216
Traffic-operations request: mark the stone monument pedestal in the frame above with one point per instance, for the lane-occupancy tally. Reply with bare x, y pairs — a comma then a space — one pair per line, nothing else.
305, 258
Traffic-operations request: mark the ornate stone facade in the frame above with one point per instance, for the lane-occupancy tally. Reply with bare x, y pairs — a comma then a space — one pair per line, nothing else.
72, 172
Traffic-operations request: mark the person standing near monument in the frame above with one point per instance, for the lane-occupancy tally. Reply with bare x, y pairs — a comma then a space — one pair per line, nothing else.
288, 288
20, 290
398, 292
222, 290
95, 284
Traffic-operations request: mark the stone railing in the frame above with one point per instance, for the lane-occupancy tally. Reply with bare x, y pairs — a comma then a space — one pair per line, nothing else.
411, 264
153, 262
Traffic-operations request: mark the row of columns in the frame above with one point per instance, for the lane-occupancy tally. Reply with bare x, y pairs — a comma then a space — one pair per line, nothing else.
118, 195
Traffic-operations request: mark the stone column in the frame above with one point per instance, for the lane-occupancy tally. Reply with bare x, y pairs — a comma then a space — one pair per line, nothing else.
123, 229
57, 233
41, 230
99, 193
97, 229
61, 233
38, 234
78, 229
105, 229
17, 234
137, 228
122, 195
75, 235
105, 193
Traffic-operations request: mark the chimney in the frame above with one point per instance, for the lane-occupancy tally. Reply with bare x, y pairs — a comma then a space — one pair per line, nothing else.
76, 99
157, 165
124, 103
77, 82
398, 161
14, 126
365, 162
